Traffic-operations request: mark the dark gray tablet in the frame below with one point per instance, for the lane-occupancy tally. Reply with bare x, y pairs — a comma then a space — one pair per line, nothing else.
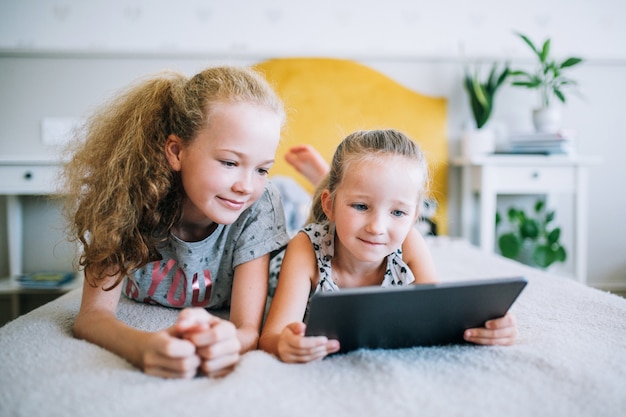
417, 315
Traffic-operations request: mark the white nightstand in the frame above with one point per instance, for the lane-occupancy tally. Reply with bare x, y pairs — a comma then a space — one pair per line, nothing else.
490, 176
21, 177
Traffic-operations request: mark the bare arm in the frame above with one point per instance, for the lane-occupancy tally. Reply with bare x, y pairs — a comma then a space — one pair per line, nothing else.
160, 353
416, 254
283, 333
248, 299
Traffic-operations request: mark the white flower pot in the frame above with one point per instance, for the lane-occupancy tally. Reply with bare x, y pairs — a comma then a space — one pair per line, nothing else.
547, 119
478, 142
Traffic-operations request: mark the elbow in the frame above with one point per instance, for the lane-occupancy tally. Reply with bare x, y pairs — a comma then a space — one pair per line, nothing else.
85, 324
77, 329
262, 343
248, 339
267, 343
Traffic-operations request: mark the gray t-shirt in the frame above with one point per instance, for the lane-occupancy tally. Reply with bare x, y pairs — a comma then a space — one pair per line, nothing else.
201, 273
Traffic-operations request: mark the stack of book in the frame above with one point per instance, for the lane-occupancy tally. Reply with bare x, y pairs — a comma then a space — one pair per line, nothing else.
559, 143
45, 280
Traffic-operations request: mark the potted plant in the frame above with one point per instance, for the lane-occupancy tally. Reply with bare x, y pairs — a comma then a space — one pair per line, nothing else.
481, 140
548, 78
531, 240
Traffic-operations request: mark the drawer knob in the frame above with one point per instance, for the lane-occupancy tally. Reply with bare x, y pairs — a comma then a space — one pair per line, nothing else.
535, 175
28, 175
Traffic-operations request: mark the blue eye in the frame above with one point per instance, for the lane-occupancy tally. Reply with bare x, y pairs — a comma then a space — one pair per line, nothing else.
263, 171
359, 207
398, 213
229, 164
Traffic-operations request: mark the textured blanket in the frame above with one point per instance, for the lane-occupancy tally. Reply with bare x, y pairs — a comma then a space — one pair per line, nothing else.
570, 360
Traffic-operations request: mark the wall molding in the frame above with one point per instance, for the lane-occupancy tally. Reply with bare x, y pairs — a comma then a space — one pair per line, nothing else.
264, 55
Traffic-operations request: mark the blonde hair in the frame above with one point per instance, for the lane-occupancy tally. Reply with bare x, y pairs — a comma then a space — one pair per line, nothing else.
122, 196
360, 146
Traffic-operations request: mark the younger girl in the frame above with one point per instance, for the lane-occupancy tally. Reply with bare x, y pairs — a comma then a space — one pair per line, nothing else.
169, 200
362, 233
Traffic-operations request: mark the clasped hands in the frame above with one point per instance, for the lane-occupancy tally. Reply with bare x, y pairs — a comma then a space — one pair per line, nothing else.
198, 343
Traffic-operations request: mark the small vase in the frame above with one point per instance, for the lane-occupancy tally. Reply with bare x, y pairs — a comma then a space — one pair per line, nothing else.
478, 142
547, 119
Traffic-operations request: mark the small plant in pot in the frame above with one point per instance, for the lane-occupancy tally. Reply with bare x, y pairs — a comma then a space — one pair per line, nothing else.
481, 96
531, 239
548, 78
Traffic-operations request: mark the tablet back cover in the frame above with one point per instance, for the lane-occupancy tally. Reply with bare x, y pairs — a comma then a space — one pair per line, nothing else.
419, 315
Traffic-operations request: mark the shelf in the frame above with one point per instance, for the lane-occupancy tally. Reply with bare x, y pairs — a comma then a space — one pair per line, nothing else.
22, 299
488, 176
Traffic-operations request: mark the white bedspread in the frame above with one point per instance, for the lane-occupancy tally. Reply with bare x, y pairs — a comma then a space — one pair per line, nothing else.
570, 360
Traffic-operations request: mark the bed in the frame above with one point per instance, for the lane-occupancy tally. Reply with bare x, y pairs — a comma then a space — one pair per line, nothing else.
569, 359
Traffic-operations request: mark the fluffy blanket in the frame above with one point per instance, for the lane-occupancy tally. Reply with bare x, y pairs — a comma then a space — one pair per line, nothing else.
570, 360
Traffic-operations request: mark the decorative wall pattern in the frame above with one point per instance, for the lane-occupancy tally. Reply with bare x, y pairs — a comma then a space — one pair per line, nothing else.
391, 28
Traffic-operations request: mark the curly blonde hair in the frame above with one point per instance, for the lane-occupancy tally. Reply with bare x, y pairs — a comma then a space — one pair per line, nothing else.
362, 145
122, 198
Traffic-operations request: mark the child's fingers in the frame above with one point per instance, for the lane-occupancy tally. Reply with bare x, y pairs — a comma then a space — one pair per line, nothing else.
332, 346
506, 321
168, 344
218, 331
302, 355
295, 338
170, 357
221, 348
220, 366
500, 331
172, 367
318, 351
293, 346
297, 328
192, 319
484, 336
308, 342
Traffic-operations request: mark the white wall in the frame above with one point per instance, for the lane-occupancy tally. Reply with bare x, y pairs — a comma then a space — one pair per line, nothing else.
61, 58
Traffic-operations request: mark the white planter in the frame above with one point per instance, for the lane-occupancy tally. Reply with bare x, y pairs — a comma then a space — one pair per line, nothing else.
478, 142
547, 119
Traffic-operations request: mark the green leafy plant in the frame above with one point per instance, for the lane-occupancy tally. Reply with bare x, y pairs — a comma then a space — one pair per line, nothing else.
482, 93
548, 77
544, 243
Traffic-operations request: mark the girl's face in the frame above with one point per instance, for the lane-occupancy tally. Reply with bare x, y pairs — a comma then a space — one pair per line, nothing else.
224, 168
374, 207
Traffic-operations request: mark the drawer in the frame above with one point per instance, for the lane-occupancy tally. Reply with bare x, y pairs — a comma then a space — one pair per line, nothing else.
530, 179
29, 179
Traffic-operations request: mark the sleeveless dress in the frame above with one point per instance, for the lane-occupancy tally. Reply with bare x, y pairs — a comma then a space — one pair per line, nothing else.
322, 237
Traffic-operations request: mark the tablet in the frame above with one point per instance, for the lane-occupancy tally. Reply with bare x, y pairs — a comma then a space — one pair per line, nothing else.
415, 315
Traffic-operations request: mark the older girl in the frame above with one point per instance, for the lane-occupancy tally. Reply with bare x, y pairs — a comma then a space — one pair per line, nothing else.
168, 196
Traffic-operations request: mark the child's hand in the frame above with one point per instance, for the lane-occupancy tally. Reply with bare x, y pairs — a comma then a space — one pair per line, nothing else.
215, 340
169, 356
293, 346
500, 331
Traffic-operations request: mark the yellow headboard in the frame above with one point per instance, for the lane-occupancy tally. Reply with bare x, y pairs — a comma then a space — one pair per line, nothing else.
326, 99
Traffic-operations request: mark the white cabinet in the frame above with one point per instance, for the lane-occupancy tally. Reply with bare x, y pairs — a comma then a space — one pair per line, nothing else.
19, 178
28, 178
490, 176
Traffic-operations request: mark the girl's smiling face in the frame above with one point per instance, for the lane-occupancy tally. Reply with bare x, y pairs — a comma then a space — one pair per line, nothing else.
224, 168
374, 206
